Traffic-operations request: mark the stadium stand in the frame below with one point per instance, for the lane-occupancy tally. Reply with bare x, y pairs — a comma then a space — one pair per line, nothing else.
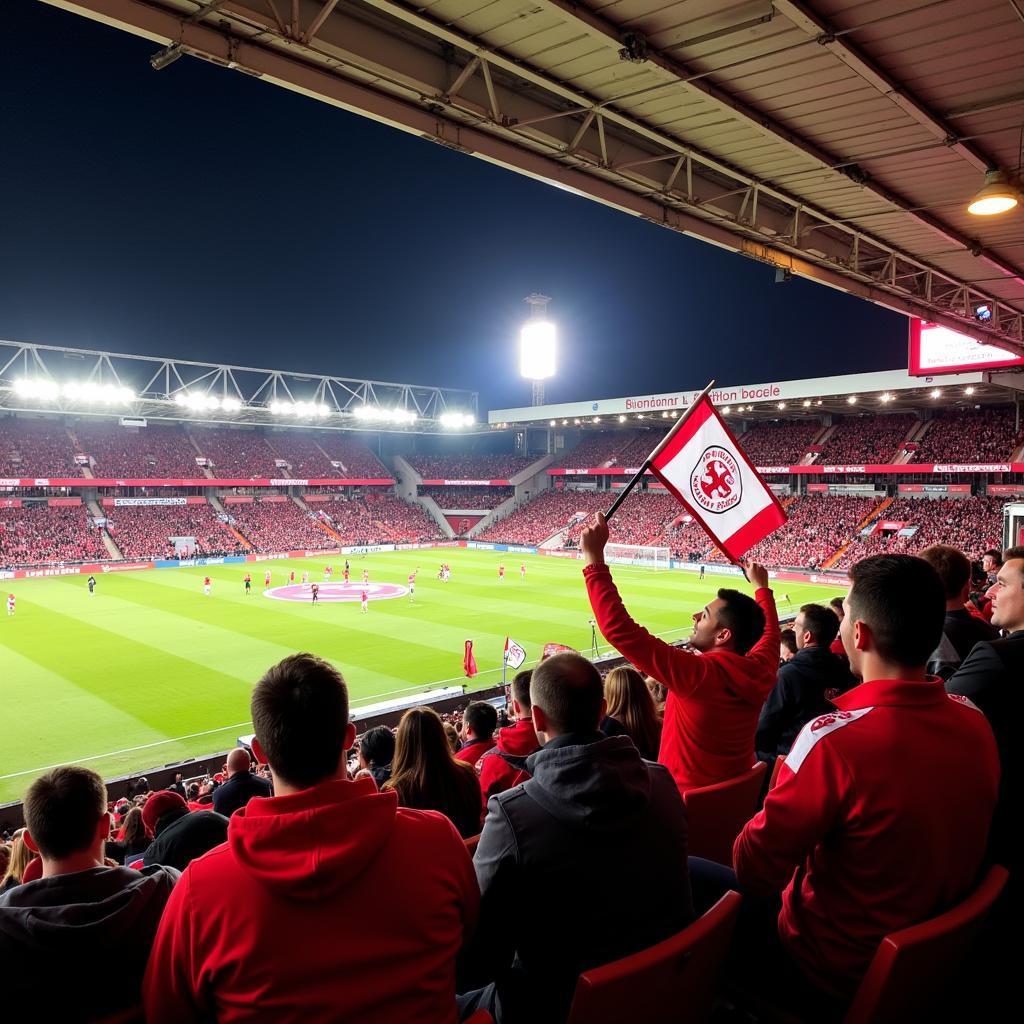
379, 518
156, 452
874, 439
779, 443
37, 448
36, 534
306, 459
279, 526
469, 467
356, 459
548, 513
468, 497
143, 531
237, 453
965, 436
596, 450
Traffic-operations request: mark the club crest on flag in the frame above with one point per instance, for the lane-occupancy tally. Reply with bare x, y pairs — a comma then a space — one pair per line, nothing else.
716, 483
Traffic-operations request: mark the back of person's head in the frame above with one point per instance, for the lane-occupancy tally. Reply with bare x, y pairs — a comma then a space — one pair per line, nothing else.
192, 791
453, 736
952, 566
901, 600
5, 857
659, 691
820, 622
630, 703
569, 691
239, 760
300, 717
378, 746
134, 826
480, 719
521, 690
1012, 554
20, 855
787, 642
63, 809
743, 617
836, 604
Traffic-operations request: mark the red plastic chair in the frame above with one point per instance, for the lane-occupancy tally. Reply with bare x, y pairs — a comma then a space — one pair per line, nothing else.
906, 976
471, 844
480, 1017
33, 870
776, 768
674, 982
718, 813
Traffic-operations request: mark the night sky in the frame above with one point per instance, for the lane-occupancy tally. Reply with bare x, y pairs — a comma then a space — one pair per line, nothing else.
200, 213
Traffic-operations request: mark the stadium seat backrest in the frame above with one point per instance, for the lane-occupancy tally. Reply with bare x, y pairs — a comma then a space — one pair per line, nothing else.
674, 982
480, 1017
776, 768
906, 976
717, 813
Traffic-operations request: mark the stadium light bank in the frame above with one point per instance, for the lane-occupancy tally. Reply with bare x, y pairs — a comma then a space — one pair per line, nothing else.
51, 391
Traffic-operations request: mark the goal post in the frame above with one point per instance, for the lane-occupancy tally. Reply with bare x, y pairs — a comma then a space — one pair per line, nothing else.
638, 555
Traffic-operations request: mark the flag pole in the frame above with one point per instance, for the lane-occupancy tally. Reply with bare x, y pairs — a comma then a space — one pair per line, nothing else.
639, 475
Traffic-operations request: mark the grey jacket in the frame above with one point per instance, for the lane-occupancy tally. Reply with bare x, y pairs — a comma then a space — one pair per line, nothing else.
582, 864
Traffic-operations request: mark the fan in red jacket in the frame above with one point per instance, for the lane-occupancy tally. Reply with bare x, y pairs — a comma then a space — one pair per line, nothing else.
882, 809
717, 689
479, 721
328, 902
497, 772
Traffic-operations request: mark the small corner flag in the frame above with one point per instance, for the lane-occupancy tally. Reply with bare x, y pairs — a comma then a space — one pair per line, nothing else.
514, 654
703, 465
468, 661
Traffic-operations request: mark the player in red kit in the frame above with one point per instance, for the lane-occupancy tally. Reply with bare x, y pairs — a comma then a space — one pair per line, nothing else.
501, 573
207, 583
366, 576
522, 572
10, 604
266, 579
291, 576
344, 574
365, 600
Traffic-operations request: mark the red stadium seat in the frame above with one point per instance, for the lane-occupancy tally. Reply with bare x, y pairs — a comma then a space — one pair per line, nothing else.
717, 813
674, 982
136, 865
904, 980
33, 871
480, 1017
776, 768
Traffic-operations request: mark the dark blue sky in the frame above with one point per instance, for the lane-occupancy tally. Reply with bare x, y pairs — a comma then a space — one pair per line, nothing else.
199, 213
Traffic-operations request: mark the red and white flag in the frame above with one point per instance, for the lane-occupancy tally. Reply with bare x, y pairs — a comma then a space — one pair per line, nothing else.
514, 654
703, 465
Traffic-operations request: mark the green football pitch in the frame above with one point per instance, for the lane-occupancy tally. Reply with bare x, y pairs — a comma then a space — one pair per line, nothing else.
149, 670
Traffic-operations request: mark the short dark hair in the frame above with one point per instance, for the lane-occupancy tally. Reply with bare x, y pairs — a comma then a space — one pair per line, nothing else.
1017, 551
837, 603
820, 622
300, 714
481, 719
570, 692
62, 809
787, 639
952, 566
903, 602
997, 556
378, 746
521, 688
742, 615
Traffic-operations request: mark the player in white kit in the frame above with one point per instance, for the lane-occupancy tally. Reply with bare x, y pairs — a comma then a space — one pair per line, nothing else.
10, 604
365, 600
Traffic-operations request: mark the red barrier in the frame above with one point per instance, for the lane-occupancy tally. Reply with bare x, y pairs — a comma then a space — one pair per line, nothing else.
907, 468
81, 481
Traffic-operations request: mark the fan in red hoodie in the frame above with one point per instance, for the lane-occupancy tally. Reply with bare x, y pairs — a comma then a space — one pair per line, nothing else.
261, 928
501, 767
479, 721
717, 688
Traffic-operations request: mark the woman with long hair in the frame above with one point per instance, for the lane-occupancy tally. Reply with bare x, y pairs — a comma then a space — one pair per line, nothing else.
134, 839
426, 775
631, 711
20, 856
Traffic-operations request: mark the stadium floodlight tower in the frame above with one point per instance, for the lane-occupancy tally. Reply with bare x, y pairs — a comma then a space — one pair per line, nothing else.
537, 342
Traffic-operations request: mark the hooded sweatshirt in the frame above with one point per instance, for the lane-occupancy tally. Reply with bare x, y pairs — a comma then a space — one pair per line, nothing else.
331, 904
61, 936
504, 766
714, 698
598, 836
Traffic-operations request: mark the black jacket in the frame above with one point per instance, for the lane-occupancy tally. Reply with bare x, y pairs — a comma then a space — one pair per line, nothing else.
599, 836
960, 632
799, 696
183, 835
74, 947
993, 678
238, 791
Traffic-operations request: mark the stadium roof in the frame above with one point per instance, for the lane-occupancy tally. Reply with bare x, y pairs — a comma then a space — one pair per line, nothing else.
883, 391
840, 141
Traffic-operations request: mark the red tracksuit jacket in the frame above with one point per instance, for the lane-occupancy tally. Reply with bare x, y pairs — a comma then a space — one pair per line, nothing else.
333, 904
714, 699
496, 774
878, 821
472, 752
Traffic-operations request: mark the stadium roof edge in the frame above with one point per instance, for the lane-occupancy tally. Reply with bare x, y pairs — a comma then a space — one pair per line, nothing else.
767, 396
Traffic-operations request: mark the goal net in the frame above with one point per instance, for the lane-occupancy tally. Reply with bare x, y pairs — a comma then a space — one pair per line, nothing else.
638, 555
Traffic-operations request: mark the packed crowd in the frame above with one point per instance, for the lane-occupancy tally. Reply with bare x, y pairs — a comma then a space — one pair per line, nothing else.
239, 454
779, 443
597, 449
468, 467
869, 439
155, 452
279, 526
36, 448
305, 457
423, 837
468, 497
965, 436
357, 461
144, 531
36, 534
548, 513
